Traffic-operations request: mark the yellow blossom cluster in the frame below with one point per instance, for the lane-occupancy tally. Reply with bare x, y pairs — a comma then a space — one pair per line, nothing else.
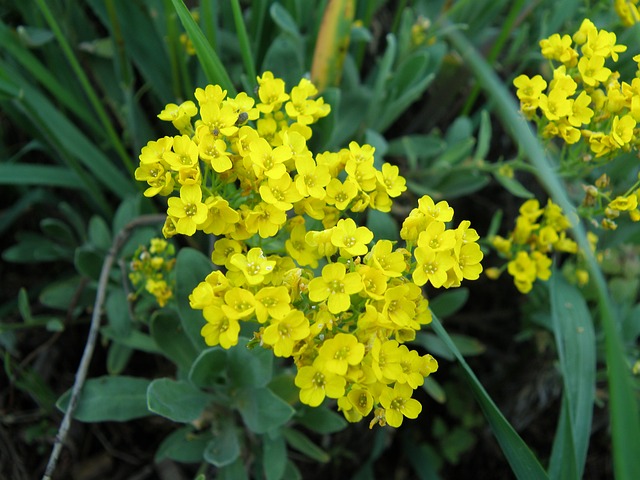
599, 201
585, 100
537, 234
151, 269
318, 287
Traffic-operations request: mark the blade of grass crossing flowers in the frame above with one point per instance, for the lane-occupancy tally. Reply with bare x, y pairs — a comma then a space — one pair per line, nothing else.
576, 344
332, 43
110, 132
624, 412
523, 462
243, 41
213, 68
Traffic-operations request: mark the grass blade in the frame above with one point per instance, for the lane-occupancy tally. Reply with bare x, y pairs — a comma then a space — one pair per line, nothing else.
211, 64
625, 418
110, 132
576, 343
523, 462
245, 46
29, 174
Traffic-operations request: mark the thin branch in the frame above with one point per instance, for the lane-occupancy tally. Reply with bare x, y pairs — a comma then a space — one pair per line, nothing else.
83, 368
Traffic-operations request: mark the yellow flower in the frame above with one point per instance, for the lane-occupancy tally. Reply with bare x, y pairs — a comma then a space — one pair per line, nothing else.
184, 154
431, 266
529, 89
523, 270
283, 333
179, 115
374, 281
271, 93
558, 48
437, 238
188, 209
340, 194
239, 303
398, 404
254, 265
265, 219
337, 353
580, 111
315, 384
335, 285
214, 152
593, 71
217, 119
221, 218
273, 302
311, 178
556, 104
622, 130
267, 161
280, 192
351, 239
383, 258
299, 249
624, 204
219, 330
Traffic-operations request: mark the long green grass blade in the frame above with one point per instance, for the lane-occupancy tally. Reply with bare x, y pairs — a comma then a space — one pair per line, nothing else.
245, 46
211, 64
576, 343
523, 462
625, 418
44, 77
110, 132
29, 174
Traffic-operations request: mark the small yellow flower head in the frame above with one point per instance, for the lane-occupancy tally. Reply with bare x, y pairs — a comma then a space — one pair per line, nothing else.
351, 239
189, 210
315, 384
337, 353
254, 265
523, 270
219, 329
283, 333
336, 286
398, 404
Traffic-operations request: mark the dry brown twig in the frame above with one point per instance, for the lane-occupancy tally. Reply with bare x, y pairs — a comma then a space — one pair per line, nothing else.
81, 374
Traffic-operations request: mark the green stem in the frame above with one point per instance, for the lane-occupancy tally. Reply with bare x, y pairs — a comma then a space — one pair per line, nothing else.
86, 86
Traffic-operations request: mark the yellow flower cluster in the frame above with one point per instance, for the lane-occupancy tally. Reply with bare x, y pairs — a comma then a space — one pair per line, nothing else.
598, 201
321, 289
538, 233
585, 99
151, 269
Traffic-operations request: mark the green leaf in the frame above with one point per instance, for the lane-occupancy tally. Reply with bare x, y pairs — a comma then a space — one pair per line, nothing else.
117, 309
321, 420
209, 367
285, 59
118, 357
300, 442
284, 20
135, 339
261, 409
434, 390
58, 231
211, 65
179, 401
48, 175
118, 399
274, 457
88, 261
575, 339
484, 136
522, 460
32, 248
249, 368
449, 302
23, 306
512, 185
171, 339
99, 234
192, 267
224, 448
184, 445
382, 225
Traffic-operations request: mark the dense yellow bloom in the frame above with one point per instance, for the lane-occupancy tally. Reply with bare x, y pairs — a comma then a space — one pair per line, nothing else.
254, 265
315, 384
337, 353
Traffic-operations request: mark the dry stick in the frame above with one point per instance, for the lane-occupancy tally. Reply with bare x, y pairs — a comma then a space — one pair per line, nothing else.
81, 374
